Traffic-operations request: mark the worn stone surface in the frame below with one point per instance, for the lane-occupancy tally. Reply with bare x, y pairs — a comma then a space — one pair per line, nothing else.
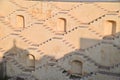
60, 40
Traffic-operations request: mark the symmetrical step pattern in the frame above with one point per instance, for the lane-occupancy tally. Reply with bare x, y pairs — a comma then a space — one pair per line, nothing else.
79, 52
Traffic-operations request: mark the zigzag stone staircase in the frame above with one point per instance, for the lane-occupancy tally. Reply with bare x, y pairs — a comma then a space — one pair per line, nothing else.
81, 53
94, 31
14, 2
77, 52
93, 74
6, 23
10, 59
23, 76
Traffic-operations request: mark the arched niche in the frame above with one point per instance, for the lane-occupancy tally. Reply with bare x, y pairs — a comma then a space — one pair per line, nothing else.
109, 27
61, 25
76, 67
31, 61
20, 21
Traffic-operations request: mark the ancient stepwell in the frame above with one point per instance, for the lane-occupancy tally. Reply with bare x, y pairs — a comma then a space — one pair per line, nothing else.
53, 40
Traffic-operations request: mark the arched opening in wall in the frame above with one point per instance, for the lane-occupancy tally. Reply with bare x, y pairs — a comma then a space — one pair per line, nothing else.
76, 67
31, 62
110, 27
20, 21
61, 25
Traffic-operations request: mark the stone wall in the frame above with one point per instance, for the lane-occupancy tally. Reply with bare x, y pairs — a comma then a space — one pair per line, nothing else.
41, 37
